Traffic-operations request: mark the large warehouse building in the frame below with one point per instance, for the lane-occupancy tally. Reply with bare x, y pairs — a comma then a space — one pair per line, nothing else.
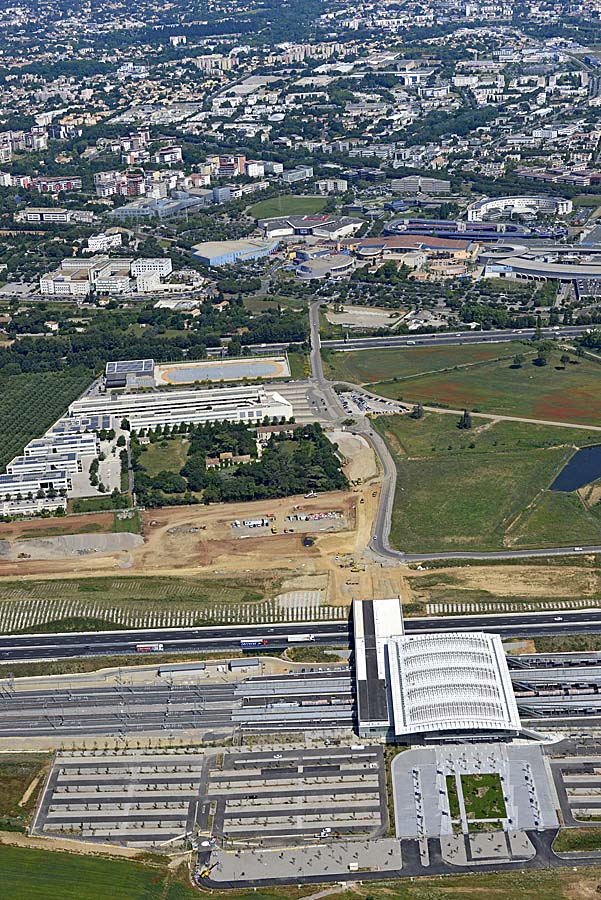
147, 410
436, 685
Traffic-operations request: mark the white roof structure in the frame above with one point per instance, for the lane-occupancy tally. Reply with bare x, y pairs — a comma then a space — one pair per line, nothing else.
453, 681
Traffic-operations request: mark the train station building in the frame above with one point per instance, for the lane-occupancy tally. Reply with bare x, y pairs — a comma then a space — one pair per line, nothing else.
441, 686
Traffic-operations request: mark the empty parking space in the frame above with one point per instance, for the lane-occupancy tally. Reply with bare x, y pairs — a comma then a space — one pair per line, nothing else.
143, 799
297, 795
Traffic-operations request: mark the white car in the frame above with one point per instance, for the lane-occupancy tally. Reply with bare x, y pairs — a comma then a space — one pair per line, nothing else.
277, 756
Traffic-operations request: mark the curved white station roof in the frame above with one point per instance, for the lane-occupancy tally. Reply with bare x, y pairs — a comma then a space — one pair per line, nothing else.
451, 681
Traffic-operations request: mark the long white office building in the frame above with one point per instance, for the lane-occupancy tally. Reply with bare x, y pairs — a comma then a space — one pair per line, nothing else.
147, 410
66, 462
32, 482
82, 443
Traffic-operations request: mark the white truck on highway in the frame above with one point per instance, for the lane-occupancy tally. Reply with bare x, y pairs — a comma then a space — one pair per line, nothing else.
300, 638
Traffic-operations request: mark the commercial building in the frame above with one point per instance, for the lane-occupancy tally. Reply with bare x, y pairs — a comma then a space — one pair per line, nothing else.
333, 265
509, 206
544, 263
118, 275
100, 243
331, 228
420, 184
428, 685
225, 253
240, 404
300, 173
332, 185
127, 371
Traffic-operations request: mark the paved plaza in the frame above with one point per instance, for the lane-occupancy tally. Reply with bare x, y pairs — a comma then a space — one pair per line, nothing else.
420, 787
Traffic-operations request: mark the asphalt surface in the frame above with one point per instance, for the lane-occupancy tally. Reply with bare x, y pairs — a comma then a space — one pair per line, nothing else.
23, 648
460, 337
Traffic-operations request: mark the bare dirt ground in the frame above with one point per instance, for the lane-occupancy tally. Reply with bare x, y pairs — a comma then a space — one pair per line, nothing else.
94, 522
528, 580
39, 843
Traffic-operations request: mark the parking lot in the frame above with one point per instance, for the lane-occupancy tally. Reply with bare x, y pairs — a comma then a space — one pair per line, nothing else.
136, 798
578, 785
296, 795
357, 403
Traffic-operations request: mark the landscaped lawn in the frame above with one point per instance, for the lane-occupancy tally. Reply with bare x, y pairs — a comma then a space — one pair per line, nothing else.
483, 796
287, 205
164, 456
473, 489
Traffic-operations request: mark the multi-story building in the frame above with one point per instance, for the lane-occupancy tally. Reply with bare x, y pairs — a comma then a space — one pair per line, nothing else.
168, 155
100, 243
161, 266
54, 184
300, 173
239, 404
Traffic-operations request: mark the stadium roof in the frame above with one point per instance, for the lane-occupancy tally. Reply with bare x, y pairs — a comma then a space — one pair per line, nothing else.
451, 682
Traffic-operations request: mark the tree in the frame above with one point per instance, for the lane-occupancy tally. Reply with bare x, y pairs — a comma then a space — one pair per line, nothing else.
121, 441
417, 412
542, 357
518, 361
465, 421
125, 425
564, 359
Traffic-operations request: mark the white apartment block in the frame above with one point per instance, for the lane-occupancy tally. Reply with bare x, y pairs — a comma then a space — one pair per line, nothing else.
239, 404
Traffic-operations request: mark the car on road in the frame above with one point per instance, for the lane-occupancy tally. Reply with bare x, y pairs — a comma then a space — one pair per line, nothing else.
277, 756
578, 549
558, 619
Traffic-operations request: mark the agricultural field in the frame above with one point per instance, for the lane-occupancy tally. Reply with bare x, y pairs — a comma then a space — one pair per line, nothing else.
29, 874
477, 489
287, 205
21, 776
98, 604
29, 404
165, 456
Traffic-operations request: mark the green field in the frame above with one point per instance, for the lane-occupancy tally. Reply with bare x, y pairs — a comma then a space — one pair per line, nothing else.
370, 366
484, 384
571, 839
29, 874
164, 456
473, 489
287, 205
34, 874
29, 404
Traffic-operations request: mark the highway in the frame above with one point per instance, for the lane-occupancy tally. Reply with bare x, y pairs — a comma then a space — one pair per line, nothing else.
459, 337
24, 648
